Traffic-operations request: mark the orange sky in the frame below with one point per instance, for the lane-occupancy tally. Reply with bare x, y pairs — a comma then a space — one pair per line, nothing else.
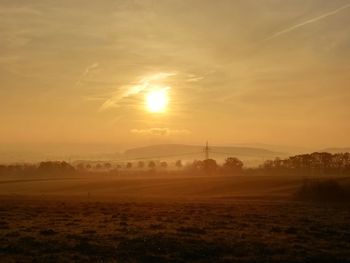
249, 71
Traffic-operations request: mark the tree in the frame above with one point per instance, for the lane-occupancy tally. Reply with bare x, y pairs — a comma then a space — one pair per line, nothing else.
233, 165
152, 165
197, 165
81, 166
164, 165
277, 163
55, 167
326, 161
107, 166
178, 164
267, 165
129, 165
210, 166
140, 164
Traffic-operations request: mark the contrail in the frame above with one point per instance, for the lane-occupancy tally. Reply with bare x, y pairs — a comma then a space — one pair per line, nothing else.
144, 84
86, 72
313, 20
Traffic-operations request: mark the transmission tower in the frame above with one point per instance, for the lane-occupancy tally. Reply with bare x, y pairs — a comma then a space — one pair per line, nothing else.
206, 151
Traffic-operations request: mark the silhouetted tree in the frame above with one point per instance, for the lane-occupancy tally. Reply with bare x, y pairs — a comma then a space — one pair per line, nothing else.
164, 165
3, 169
151, 165
81, 166
107, 166
178, 164
315, 163
141, 164
129, 165
197, 165
210, 166
24, 169
55, 167
233, 165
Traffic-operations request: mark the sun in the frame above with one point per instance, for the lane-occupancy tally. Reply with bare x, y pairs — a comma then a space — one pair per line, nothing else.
157, 101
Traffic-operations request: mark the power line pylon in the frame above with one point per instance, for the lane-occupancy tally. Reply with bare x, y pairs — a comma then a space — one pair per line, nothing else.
206, 151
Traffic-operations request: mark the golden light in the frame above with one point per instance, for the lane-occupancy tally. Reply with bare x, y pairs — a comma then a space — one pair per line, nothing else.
157, 100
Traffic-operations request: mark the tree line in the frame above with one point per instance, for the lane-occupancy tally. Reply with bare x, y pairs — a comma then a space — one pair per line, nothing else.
317, 163
50, 167
231, 165
305, 164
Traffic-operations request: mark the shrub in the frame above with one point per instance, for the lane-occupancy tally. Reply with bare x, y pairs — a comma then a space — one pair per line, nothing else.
321, 191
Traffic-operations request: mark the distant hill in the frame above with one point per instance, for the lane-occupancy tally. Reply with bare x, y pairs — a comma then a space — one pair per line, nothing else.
171, 151
337, 150
290, 150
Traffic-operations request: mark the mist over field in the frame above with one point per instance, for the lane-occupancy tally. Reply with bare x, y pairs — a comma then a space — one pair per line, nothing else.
175, 131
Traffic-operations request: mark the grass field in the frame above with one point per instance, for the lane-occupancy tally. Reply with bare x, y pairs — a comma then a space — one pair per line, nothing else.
173, 219
157, 187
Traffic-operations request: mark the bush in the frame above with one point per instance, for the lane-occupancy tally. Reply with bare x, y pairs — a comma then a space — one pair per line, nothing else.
321, 191
55, 168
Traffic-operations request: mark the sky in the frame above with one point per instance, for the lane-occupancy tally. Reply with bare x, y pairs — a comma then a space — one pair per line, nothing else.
234, 71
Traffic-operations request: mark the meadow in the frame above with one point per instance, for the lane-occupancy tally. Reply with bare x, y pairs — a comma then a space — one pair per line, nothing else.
168, 219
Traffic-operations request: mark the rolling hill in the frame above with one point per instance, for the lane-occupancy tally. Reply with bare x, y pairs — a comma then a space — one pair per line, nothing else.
190, 152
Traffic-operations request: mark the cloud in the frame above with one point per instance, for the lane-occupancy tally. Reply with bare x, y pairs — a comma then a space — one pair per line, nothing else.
194, 78
160, 131
148, 82
19, 10
310, 21
86, 73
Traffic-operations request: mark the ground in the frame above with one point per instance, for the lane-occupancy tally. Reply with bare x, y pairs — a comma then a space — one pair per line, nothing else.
201, 225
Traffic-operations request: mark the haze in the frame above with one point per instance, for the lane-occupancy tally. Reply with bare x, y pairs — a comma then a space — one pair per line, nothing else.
274, 72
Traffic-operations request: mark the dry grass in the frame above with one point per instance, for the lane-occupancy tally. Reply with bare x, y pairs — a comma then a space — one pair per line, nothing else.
329, 190
197, 219
239, 231
158, 187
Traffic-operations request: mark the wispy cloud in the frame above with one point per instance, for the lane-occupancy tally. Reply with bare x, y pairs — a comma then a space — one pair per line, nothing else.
194, 78
19, 10
148, 82
310, 21
86, 73
159, 131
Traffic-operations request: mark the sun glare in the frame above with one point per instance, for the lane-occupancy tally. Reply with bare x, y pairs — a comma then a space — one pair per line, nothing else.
157, 101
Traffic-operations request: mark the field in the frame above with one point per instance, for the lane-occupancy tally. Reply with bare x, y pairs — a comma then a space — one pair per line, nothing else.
168, 219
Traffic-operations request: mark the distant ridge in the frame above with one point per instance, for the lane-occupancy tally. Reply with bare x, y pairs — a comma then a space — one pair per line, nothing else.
290, 150
337, 150
164, 150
